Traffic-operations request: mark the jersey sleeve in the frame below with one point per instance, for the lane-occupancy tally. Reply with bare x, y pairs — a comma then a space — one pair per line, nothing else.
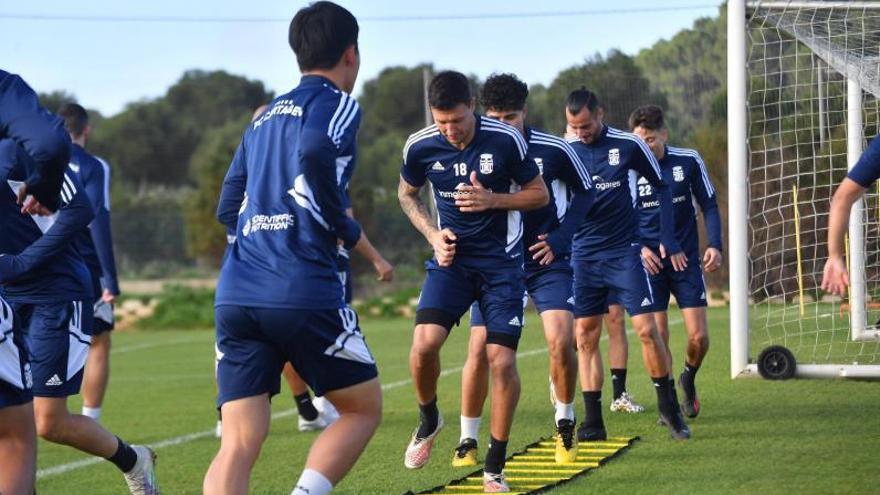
867, 170
704, 192
41, 134
232, 193
73, 215
413, 170
98, 188
522, 171
575, 175
645, 164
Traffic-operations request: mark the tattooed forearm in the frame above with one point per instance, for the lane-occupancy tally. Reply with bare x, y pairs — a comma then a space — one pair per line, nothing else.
415, 208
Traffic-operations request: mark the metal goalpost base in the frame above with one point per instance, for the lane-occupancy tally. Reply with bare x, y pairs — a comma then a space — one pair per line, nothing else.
738, 197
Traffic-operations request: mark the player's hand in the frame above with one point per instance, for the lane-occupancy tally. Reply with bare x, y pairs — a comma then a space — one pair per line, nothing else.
30, 205
835, 278
679, 260
443, 242
384, 270
541, 251
651, 261
712, 259
108, 297
474, 198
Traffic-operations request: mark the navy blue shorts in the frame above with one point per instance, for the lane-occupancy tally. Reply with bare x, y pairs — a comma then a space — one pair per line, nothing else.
325, 346
688, 286
57, 336
550, 288
15, 371
624, 276
103, 320
343, 267
497, 287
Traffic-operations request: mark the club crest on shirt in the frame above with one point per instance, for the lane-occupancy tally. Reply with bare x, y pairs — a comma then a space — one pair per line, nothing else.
486, 163
614, 156
677, 173
540, 163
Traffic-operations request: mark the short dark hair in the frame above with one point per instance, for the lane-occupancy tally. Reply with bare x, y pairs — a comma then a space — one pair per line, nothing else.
580, 99
504, 92
648, 116
320, 33
448, 89
76, 119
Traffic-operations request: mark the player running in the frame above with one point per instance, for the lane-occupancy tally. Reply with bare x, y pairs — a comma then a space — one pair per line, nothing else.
279, 298
480, 178
24, 123
605, 256
686, 175
547, 235
95, 245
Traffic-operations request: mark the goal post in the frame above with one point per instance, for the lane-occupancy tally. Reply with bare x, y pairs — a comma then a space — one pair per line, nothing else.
802, 96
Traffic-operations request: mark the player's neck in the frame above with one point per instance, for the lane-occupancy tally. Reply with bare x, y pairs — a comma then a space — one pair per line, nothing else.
81, 141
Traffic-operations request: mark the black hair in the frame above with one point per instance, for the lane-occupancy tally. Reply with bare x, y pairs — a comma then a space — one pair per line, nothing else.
580, 99
76, 119
648, 116
320, 33
504, 92
448, 89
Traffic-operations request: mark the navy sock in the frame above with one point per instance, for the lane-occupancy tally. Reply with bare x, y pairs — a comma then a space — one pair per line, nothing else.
618, 381
429, 416
664, 395
593, 409
305, 407
687, 379
496, 455
125, 457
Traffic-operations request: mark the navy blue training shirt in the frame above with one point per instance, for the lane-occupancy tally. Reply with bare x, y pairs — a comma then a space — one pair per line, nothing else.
688, 179
867, 169
497, 153
38, 260
282, 198
95, 243
571, 195
40, 133
611, 229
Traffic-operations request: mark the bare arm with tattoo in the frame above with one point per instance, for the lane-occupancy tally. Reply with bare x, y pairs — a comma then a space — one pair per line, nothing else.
443, 241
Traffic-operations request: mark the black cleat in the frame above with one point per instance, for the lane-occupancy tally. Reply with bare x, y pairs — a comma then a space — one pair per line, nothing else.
690, 406
678, 429
587, 433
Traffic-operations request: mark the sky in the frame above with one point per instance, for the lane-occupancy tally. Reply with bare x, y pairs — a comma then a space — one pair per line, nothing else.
109, 53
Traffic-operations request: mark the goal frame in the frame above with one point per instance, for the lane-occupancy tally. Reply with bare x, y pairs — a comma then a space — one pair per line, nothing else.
738, 197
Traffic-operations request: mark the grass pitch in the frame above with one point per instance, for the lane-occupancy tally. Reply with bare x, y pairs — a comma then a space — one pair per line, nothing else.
753, 436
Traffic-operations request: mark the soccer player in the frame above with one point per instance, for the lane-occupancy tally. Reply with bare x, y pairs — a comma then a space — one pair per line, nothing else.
605, 256
547, 235
279, 298
835, 278
480, 180
95, 245
26, 124
686, 175
47, 284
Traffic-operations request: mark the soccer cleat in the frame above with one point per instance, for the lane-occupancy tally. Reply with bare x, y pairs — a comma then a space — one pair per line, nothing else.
626, 403
419, 449
326, 409
689, 405
592, 433
319, 423
141, 479
495, 483
566, 442
465, 454
678, 429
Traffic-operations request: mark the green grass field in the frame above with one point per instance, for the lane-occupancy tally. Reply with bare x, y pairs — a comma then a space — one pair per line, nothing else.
753, 436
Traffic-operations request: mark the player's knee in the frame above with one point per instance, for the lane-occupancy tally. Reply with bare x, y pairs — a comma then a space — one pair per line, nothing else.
559, 346
50, 426
647, 332
700, 338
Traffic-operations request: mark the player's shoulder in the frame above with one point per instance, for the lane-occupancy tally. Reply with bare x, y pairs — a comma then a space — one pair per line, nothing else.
623, 137
333, 111
687, 155
503, 133
420, 142
542, 140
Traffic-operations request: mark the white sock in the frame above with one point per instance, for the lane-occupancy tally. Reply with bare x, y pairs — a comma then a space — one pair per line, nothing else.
312, 482
92, 412
564, 411
470, 428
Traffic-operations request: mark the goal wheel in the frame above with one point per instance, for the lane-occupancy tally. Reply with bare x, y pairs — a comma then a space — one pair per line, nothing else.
776, 363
